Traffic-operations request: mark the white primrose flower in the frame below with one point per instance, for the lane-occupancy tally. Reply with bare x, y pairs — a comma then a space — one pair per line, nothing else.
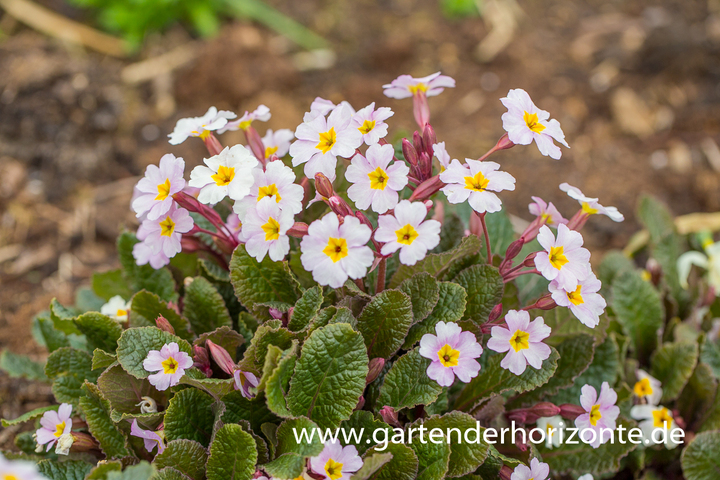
199, 126
553, 427
322, 106
19, 470
442, 155
587, 476
647, 388
116, 308
264, 230
227, 174
475, 182
321, 140
546, 211
656, 423
334, 252
261, 113
156, 188
452, 353
406, 86
164, 234
522, 339
536, 471
277, 181
600, 415
371, 123
169, 363
277, 142
710, 261
584, 302
564, 259
144, 254
53, 425
590, 205
336, 462
408, 231
524, 123
374, 181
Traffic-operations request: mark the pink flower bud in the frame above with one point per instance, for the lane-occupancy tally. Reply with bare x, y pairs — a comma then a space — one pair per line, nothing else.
221, 357
298, 230
427, 188
570, 411
421, 110
545, 409
323, 185
339, 206
504, 143
409, 152
201, 360
495, 313
363, 219
545, 303
212, 144
514, 249
505, 473
530, 260
375, 367
390, 416
429, 139
275, 313
164, 325
418, 143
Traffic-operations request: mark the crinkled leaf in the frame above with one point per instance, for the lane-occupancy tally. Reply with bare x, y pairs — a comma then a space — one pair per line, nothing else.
49, 336
450, 307
701, 458
613, 264
186, 456
27, 416
424, 292
265, 335
291, 454
68, 368
146, 307
190, 416
67, 470
101, 470
97, 415
217, 387
402, 466
169, 473
433, 459
272, 358
125, 392
254, 410
656, 217
232, 455
277, 385
363, 421
407, 383
102, 359
329, 376
141, 471
305, 309
384, 323
484, 287
21, 366
101, 331
135, 343
465, 457
371, 464
673, 364
204, 307
494, 380
213, 272
224, 336
62, 317
438, 264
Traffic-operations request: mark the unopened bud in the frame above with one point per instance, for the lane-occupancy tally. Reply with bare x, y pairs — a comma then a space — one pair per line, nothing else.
514, 249
81, 442
418, 142
187, 281
570, 411
425, 165
148, 405
504, 143
409, 152
221, 357
275, 313
542, 409
495, 312
390, 416
429, 139
517, 416
201, 360
163, 324
339, 206
530, 260
655, 270
545, 303
374, 368
298, 230
505, 473
427, 188
323, 185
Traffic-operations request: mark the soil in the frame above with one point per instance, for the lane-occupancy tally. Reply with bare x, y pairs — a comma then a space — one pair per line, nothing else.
635, 85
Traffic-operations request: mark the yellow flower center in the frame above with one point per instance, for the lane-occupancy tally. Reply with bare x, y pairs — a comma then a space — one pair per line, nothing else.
269, 191
477, 183
163, 190
223, 176
167, 227
588, 209
643, 388
595, 415
170, 366
520, 340
244, 125
546, 217
59, 429
271, 229
121, 313
378, 179
10, 476
327, 140
269, 151
662, 418
367, 126
420, 87
203, 135
557, 257
448, 356
576, 297
333, 469
406, 235
531, 120
336, 249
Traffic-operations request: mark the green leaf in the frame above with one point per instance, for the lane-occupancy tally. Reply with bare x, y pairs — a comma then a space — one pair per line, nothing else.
639, 310
101, 331
453, 230
329, 376
371, 464
465, 456
68, 368
583, 458
31, 415
141, 471
108, 284
402, 466
656, 217
186, 456
146, 307
67, 470
439, 265
576, 354
169, 473
21, 366
97, 415
565, 326
265, 335
238, 408
205, 307
262, 282
365, 426
125, 392
62, 317
500, 230
217, 387
291, 455
232, 455
484, 287
190, 416
144, 277
384, 323
135, 343
225, 337
433, 459
101, 470
278, 384
701, 458
449, 308
213, 272
305, 309
407, 383
673, 364
51, 337
102, 359
494, 380
424, 292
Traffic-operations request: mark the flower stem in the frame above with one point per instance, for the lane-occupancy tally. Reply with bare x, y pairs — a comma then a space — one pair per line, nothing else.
380, 286
481, 216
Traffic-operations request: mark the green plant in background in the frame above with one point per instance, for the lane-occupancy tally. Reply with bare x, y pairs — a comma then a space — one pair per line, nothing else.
460, 8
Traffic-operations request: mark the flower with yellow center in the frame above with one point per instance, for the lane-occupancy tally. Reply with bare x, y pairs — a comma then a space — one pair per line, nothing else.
584, 301
59, 429
327, 140
643, 388
224, 176
520, 340
170, 364
563, 259
595, 415
371, 123
452, 353
154, 192
408, 231
163, 190
378, 179
54, 424
662, 418
406, 235
277, 142
417, 88
448, 356
477, 182
200, 126
333, 469
336, 249
531, 120
575, 296
270, 150
116, 308
334, 462
269, 191
647, 389
590, 205
557, 257
600, 415
265, 228
167, 227
367, 126
271, 229
657, 425
227, 174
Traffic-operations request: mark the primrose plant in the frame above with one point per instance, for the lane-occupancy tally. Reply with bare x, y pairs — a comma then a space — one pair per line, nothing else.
298, 307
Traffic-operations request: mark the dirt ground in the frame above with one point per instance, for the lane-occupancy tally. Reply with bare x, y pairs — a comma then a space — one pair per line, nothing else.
635, 85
